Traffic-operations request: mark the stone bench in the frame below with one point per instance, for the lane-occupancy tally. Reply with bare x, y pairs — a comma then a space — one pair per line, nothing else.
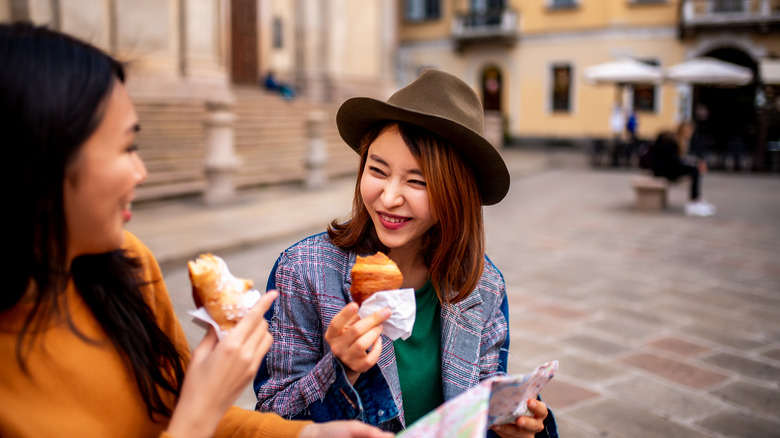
651, 192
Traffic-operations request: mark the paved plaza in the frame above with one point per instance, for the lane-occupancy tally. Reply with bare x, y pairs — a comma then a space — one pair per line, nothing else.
663, 325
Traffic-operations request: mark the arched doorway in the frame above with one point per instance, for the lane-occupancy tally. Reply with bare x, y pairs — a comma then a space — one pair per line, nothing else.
491, 103
726, 117
491, 89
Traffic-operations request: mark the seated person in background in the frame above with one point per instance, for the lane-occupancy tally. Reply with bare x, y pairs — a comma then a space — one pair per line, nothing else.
667, 163
272, 84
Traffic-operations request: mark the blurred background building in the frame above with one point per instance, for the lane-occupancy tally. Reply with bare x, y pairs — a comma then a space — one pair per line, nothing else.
196, 72
527, 57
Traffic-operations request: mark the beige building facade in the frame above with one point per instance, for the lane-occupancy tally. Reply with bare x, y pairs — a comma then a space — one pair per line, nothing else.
196, 48
527, 58
195, 69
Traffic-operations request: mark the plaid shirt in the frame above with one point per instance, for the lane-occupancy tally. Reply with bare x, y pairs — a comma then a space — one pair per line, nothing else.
305, 380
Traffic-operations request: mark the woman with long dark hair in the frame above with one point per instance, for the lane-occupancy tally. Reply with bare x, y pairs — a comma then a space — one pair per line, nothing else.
90, 343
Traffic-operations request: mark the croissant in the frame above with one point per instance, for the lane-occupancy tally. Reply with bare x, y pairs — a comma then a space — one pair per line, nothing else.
216, 289
372, 274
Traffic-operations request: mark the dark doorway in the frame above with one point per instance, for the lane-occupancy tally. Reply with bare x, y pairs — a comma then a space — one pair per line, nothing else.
726, 117
491, 89
243, 31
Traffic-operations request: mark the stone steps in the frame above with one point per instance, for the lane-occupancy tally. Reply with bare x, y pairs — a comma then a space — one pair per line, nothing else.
271, 142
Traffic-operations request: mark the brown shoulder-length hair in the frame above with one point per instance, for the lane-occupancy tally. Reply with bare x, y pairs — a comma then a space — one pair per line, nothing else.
454, 247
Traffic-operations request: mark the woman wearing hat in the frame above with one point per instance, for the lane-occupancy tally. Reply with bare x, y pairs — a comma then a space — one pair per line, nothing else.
425, 173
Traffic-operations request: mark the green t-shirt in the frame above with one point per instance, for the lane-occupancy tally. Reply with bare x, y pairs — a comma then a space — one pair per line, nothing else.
419, 358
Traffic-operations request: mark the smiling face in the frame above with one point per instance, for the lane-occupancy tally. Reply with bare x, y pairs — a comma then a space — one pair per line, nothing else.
100, 184
395, 194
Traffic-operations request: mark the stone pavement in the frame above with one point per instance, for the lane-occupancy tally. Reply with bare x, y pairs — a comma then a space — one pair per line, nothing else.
663, 325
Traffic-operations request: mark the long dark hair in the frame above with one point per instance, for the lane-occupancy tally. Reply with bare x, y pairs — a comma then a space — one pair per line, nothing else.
454, 247
53, 90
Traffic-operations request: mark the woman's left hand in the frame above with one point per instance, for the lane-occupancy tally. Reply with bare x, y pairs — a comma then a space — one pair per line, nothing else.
525, 427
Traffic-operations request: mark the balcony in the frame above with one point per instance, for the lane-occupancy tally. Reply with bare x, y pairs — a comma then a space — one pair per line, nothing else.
752, 15
491, 27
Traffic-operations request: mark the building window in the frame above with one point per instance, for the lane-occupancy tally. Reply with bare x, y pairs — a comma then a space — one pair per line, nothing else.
422, 10
728, 6
644, 94
644, 98
278, 41
562, 4
561, 89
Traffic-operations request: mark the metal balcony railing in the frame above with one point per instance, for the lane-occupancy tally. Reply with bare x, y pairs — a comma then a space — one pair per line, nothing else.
490, 25
729, 13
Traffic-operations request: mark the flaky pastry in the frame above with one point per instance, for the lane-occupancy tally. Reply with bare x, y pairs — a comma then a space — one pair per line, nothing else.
216, 289
372, 274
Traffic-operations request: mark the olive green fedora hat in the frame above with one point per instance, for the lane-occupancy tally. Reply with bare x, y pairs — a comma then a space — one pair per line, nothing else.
443, 104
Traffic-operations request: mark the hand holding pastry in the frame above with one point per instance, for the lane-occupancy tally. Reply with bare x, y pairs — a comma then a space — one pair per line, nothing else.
219, 371
354, 341
217, 290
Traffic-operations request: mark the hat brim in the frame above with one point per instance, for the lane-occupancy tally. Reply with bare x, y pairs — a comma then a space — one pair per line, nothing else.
356, 116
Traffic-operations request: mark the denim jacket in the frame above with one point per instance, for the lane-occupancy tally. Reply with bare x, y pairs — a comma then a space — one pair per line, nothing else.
301, 379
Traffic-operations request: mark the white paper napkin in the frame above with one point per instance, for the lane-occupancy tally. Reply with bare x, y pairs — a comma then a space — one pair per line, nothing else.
403, 306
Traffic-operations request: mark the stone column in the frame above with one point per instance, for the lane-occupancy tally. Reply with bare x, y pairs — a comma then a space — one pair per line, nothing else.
311, 52
221, 161
317, 154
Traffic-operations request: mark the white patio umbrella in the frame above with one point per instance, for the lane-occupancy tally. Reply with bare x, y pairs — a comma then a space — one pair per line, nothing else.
704, 71
623, 72
709, 71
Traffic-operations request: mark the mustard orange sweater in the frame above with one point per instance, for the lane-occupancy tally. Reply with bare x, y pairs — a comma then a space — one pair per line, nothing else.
79, 389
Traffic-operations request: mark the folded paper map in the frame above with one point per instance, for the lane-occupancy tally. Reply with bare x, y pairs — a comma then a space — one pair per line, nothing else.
498, 400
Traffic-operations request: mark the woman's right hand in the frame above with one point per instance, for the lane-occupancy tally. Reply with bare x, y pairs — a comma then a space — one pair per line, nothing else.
219, 371
350, 338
